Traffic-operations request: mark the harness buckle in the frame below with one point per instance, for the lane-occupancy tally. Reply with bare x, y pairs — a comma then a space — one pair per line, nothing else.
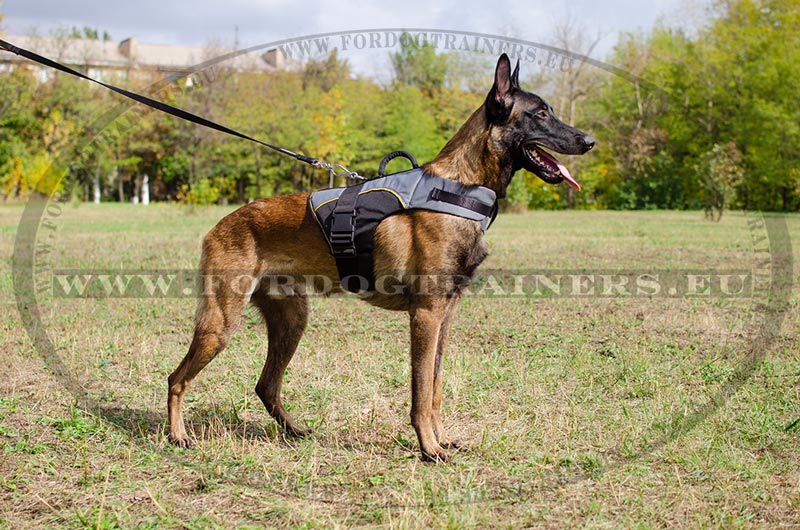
343, 234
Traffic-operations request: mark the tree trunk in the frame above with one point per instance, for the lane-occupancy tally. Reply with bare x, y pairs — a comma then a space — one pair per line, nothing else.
137, 189
120, 187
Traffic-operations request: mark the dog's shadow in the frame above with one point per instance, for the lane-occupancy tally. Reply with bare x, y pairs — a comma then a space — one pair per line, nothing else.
151, 427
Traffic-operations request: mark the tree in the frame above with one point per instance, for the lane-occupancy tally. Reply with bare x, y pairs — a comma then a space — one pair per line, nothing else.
577, 80
410, 125
721, 172
326, 73
418, 64
366, 125
624, 117
663, 131
330, 122
754, 46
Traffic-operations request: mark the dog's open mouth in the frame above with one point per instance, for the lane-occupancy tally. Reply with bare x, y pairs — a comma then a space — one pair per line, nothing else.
546, 167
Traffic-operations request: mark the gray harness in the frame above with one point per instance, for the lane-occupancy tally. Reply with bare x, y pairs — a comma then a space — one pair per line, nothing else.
349, 216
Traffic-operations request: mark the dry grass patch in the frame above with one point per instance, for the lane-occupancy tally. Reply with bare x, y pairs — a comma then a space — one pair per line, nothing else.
575, 411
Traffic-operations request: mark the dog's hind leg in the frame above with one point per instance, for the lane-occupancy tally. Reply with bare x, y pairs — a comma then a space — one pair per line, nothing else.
441, 347
286, 319
218, 315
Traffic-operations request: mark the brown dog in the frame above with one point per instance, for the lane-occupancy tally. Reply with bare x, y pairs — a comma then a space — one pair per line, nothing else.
279, 236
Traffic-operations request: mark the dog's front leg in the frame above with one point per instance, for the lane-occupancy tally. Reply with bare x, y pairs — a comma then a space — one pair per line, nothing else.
427, 316
436, 412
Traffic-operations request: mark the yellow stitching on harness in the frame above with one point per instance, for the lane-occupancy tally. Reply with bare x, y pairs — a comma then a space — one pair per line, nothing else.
316, 208
326, 202
399, 199
390, 191
316, 218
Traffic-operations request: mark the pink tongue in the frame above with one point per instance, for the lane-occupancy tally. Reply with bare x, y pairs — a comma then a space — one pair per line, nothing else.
565, 173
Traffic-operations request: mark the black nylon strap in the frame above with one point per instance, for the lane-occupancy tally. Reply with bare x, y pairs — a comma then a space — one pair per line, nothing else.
469, 203
343, 222
163, 107
347, 200
343, 234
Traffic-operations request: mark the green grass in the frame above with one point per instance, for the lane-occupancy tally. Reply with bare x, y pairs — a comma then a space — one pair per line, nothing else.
576, 412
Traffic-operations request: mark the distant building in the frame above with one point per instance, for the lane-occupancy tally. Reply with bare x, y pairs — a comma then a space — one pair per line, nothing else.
111, 61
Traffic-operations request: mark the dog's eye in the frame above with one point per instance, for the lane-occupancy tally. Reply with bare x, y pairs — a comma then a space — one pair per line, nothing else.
538, 115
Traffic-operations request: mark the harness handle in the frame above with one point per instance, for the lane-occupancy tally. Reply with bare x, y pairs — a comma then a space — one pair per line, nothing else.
391, 156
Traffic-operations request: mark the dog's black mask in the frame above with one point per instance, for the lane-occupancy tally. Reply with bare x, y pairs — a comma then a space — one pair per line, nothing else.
527, 126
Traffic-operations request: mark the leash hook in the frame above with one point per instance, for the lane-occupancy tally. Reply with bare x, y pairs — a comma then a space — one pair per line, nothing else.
347, 173
337, 170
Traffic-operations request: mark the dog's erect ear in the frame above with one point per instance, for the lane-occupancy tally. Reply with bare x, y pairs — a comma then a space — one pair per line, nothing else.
499, 101
515, 76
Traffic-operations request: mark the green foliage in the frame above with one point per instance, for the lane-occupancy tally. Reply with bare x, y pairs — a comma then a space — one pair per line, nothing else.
733, 82
540, 195
418, 64
28, 173
332, 132
516, 199
326, 73
89, 33
205, 192
410, 125
720, 171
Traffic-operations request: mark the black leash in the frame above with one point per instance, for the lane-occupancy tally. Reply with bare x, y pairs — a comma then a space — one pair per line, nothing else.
174, 111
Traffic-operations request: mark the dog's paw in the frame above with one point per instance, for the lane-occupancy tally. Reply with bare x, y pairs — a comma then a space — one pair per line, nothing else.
436, 455
298, 432
181, 441
455, 445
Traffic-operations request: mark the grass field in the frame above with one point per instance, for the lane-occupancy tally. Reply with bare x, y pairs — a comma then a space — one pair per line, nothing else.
598, 412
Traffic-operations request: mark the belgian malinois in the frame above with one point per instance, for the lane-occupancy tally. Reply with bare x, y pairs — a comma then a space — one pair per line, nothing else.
278, 236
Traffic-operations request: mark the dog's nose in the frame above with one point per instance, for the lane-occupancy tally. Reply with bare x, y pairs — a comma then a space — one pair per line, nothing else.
588, 141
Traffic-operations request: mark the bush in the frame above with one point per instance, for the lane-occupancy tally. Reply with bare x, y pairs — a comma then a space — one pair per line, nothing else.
201, 194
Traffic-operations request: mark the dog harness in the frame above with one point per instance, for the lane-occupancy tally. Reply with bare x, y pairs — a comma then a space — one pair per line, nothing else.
349, 216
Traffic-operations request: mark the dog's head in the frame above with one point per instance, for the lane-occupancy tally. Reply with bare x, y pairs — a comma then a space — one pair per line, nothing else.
525, 125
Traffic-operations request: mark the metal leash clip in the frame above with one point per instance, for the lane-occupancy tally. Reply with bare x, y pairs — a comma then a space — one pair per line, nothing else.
338, 170
347, 173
